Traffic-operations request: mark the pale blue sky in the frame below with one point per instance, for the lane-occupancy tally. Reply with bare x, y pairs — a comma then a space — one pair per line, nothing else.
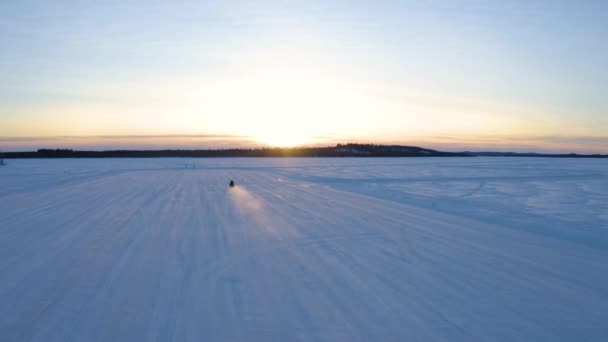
433, 72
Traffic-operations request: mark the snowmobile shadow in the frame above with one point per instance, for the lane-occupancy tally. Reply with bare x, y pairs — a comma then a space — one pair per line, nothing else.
258, 215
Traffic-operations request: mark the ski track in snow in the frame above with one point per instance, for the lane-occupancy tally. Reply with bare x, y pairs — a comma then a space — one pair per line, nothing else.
303, 250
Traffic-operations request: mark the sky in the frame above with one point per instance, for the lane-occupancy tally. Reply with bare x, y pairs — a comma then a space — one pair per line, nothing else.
452, 75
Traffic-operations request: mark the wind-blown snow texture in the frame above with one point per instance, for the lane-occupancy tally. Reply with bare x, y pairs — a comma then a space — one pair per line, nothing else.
448, 249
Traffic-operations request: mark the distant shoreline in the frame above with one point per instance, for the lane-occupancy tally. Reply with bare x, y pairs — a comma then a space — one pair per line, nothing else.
340, 150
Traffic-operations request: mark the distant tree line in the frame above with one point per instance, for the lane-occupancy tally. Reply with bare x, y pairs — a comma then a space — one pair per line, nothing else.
340, 150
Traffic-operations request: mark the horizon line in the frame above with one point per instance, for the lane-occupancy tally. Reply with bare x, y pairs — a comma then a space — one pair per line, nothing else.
591, 144
299, 147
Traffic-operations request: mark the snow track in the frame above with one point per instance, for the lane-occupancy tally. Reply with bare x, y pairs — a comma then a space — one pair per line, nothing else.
152, 252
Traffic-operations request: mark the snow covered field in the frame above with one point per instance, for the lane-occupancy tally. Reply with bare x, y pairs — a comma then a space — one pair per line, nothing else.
406, 249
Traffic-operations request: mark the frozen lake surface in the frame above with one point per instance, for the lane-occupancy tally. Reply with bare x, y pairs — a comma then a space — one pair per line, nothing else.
404, 249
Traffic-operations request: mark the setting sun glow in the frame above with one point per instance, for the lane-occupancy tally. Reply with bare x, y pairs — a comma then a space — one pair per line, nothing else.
287, 105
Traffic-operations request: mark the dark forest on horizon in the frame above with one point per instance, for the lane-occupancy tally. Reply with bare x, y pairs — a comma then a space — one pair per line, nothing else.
340, 150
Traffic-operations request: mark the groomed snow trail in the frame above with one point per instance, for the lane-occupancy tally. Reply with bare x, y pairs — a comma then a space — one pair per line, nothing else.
147, 253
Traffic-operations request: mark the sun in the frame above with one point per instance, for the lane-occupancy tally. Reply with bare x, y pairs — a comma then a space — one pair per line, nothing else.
287, 105
284, 138
278, 107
